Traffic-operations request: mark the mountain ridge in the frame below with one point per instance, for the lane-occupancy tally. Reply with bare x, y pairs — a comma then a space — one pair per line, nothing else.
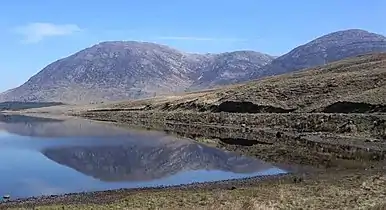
323, 50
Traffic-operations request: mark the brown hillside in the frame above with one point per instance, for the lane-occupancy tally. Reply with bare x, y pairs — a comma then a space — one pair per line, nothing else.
355, 85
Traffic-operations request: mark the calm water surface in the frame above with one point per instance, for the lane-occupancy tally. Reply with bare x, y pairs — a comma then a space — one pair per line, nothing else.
41, 156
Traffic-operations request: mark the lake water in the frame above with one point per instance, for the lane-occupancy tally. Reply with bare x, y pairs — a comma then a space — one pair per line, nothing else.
42, 156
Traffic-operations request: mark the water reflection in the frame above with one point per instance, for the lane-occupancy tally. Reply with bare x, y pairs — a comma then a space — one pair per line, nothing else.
63, 127
70, 155
145, 162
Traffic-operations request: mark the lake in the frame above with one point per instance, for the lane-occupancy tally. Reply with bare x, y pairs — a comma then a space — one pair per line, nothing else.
43, 156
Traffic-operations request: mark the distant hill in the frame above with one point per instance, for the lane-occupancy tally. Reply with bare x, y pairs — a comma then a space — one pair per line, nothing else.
112, 71
326, 49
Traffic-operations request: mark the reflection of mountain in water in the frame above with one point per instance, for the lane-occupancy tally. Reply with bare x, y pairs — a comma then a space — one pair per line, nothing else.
121, 154
47, 127
25, 119
145, 162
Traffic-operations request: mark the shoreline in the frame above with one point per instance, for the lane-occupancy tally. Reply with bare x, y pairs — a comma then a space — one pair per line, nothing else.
229, 184
337, 171
303, 185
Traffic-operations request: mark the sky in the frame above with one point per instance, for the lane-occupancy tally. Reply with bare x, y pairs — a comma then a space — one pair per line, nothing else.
39, 32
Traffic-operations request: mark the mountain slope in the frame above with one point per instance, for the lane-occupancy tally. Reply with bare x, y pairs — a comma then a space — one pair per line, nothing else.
127, 70
228, 68
358, 81
326, 49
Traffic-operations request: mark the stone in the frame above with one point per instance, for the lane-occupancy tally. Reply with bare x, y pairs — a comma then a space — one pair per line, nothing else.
279, 134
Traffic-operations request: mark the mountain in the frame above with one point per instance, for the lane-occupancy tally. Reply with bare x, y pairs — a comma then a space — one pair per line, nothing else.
129, 70
119, 70
326, 49
111, 71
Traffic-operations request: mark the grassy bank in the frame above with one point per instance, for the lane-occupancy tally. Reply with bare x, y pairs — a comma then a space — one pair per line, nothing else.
351, 190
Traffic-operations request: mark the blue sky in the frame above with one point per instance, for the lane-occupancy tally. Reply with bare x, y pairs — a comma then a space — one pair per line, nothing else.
36, 33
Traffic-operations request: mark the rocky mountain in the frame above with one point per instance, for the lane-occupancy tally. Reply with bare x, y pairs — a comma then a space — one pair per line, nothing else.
326, 49
130, 70
112, 71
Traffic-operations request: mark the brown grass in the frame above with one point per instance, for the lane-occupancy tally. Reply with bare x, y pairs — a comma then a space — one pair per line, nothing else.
347, 191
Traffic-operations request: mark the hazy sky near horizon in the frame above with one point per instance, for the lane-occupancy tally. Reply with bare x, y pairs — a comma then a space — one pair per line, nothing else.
36, 33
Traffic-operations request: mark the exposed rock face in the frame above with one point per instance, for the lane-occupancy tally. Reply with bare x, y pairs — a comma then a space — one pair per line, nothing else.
326, 49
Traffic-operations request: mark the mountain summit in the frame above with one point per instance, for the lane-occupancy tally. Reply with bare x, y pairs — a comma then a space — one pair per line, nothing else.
326, 49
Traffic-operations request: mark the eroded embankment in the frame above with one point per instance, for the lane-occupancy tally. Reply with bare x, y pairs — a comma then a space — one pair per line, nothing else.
229, 106
351, 107
316, 139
